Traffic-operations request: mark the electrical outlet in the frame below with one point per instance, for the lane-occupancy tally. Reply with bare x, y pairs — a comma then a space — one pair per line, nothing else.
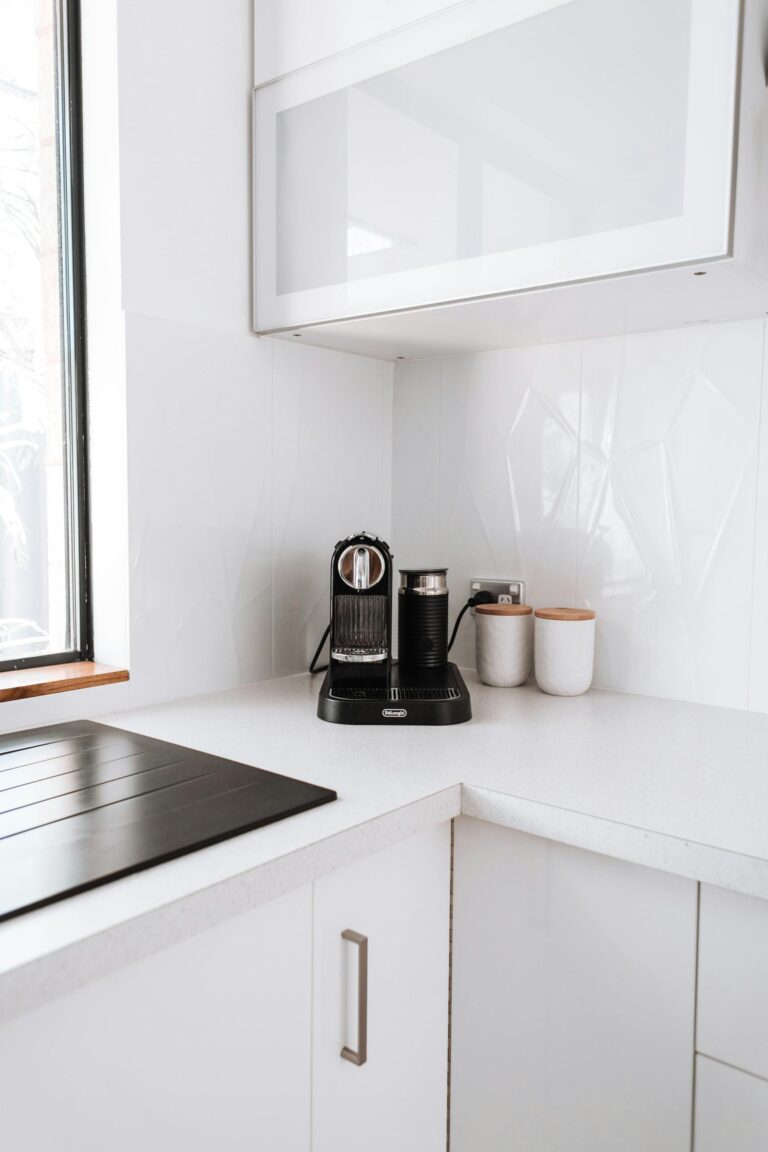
503, 591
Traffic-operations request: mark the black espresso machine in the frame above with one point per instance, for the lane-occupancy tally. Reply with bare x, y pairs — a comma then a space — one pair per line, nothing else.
364, 684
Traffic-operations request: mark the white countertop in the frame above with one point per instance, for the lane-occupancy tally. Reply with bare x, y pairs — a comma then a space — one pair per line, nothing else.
680, 787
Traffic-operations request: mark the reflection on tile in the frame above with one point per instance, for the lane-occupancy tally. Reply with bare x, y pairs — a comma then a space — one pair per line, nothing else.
758, 671
666, 507
619, 473
248, 459
416, 475
200, 497
508, 473
332, 477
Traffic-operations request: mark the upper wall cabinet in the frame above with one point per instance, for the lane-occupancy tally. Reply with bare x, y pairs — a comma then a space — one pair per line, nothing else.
496, 147
289, 34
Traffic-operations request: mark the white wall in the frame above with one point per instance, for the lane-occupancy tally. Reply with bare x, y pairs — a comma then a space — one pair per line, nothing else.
627, 474
246, 459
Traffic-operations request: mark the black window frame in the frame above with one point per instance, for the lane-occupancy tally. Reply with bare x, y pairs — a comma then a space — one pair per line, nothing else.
69, 124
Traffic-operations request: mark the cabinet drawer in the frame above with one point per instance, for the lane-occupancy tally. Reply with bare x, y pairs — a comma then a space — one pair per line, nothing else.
732, 1023
389, 1091
203, 1045
731, 1109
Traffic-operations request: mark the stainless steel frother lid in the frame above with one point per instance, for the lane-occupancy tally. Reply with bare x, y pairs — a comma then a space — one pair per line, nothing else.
423, 581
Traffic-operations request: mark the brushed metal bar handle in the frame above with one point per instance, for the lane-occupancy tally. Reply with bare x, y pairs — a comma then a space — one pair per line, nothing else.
361, 1055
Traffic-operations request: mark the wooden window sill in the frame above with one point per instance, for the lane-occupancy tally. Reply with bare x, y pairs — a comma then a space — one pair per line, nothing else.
52, 678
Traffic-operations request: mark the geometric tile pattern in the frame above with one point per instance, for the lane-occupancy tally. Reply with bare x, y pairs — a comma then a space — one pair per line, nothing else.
276, 452
621, 474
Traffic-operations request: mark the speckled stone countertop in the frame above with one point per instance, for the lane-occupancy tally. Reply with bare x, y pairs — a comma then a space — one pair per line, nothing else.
680, 787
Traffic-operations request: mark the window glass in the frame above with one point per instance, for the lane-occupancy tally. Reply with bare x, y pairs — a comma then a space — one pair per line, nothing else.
39, 542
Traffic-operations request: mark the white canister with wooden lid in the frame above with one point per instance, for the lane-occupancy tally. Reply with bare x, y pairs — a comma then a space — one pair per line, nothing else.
564, 650
504, 635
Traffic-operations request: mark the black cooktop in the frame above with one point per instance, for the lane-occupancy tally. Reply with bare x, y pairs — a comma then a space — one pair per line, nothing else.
83, 803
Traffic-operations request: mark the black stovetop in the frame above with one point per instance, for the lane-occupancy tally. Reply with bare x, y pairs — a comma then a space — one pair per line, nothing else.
83, 803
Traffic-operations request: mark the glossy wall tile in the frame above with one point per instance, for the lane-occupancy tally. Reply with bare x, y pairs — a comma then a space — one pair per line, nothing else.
509, 471
621, 474
758, 667
200, 496
248, 460
331, 436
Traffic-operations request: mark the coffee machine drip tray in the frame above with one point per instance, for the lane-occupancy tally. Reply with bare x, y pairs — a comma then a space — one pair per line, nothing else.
413, 696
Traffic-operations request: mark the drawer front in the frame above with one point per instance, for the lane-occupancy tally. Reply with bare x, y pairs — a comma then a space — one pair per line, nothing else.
731, 1109
380, 979
732, 1021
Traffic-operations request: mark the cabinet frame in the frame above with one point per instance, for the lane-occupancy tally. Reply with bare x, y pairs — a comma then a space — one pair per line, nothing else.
704, 231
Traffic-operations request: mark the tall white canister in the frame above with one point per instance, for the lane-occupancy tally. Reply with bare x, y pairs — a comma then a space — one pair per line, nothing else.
504, 634
564, 650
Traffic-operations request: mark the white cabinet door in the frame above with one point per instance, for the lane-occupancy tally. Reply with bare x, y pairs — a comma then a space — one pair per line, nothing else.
205, 1045
731, 1109
289, 34
494, 148
573, 999
732, 1020
399, 899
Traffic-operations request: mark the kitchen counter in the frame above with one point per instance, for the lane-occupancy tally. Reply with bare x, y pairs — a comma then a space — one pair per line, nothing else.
679, 787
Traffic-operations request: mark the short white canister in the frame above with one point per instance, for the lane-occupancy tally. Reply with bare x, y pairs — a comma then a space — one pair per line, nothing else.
504, 634
564, 650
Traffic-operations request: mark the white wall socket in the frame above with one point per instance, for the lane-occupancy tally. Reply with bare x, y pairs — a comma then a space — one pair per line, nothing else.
503, 591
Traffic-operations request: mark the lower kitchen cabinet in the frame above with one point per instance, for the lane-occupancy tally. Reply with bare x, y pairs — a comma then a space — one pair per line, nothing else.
204, 1045
731, 1109
231, 1040
399, 900
573, 999
732, 1018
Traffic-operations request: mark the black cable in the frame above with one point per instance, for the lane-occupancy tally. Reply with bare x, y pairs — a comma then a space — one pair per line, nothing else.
323, 667
480, 598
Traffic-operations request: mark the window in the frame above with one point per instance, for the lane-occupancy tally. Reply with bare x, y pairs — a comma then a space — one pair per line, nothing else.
44, 601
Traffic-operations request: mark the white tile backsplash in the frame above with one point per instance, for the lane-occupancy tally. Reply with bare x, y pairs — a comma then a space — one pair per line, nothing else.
758, 667
332, 428
509, 471
618, 473
669, 443
200, 494
416, 456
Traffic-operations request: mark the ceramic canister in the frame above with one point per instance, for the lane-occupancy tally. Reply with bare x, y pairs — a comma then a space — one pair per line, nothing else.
564, 650
504, 635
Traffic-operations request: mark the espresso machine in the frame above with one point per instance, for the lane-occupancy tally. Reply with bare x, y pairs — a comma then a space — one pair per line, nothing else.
363, 683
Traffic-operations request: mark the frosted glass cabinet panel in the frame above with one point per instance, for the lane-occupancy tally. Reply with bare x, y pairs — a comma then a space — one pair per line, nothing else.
492, 148
289, 34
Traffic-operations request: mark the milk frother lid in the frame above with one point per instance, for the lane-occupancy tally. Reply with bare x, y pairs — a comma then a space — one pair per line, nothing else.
424, 581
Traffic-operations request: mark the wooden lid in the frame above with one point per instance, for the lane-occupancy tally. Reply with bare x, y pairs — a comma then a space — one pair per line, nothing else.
504, 609
565, 614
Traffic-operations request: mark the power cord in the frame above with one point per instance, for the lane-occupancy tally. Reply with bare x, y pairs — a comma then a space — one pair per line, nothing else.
478, 598
323, 667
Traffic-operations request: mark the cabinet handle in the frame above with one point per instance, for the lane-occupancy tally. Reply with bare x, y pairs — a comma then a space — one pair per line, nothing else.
361, 1055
